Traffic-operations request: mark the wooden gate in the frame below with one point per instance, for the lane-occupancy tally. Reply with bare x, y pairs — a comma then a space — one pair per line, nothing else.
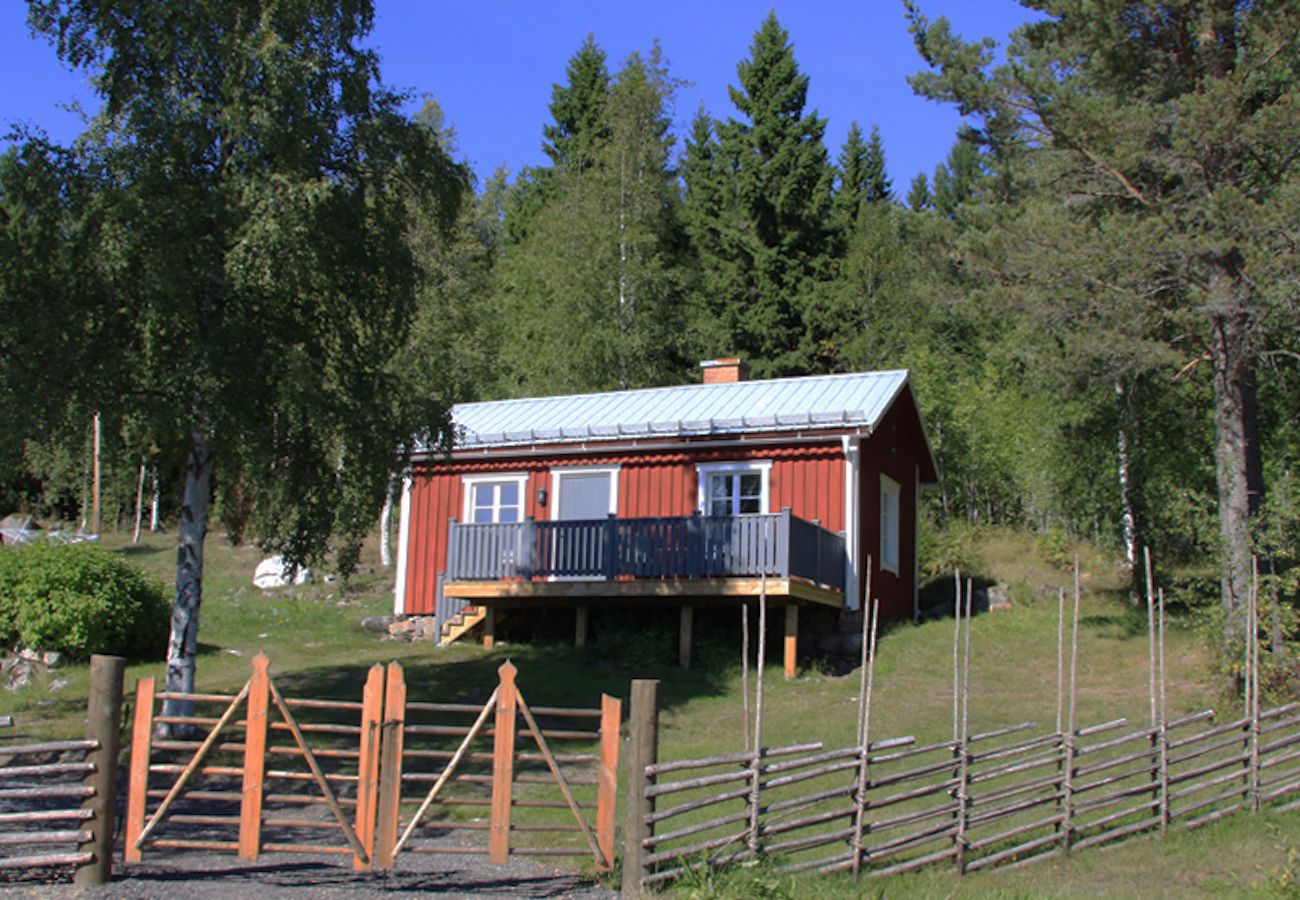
256, 772
530, 796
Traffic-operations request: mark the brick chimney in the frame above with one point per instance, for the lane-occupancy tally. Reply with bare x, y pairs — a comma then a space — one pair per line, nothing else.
717, 371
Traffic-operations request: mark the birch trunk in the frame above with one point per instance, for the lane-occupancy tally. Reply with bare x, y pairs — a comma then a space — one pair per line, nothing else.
1125, 482
1238, 461
182, 646
386, 530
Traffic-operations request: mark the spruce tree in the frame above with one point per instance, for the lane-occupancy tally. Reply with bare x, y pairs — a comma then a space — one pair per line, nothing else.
769, 243
578, 107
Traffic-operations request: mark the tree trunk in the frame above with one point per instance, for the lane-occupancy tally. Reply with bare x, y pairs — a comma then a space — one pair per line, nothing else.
386, 530
1238, 461
183, 644
1127, 517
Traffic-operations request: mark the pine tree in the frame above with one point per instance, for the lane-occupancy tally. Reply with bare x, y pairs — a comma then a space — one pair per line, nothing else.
769, 242
862, 177
1147, 178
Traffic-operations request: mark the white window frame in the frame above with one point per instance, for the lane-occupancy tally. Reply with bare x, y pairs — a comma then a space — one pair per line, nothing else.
557, 480
704, 471
469, 481
891, 495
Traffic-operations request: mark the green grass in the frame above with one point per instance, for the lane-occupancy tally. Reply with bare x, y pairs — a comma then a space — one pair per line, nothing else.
312, 634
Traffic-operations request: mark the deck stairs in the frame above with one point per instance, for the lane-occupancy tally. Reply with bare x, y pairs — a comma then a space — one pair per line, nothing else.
461, 624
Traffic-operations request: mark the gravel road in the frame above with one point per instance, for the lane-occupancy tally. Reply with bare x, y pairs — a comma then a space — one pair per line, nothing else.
201, 876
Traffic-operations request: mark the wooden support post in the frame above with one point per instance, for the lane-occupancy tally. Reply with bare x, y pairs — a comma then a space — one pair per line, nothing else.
372, 711
611, 710
490, 628
138, 786
104, 725
503, 764
250, 804
390, 766
581, 615
686, 637
791, 640
642, 751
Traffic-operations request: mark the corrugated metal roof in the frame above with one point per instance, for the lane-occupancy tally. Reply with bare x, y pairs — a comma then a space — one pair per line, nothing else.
855, 399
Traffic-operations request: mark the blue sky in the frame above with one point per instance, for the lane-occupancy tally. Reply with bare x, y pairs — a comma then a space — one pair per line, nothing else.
491, 65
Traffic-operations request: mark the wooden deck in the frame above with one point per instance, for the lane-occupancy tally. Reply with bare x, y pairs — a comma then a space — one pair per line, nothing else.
696, 592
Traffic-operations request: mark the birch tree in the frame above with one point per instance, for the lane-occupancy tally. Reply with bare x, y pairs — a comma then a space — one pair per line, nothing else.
242, 205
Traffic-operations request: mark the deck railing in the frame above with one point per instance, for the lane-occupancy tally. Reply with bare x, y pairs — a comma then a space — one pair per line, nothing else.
778, 545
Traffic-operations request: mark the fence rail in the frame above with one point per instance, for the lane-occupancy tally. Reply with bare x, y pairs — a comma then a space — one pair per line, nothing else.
57, 798
778, 545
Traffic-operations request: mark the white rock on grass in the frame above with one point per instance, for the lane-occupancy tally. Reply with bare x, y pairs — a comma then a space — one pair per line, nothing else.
273, 573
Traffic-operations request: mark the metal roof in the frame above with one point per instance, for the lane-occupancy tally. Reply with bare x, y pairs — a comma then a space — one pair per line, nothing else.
851, 400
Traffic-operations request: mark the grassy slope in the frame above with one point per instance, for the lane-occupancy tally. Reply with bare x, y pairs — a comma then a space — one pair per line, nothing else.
318, 649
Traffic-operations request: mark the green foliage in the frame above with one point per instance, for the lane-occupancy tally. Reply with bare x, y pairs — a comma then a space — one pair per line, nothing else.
769, 178
944, 550
79, 599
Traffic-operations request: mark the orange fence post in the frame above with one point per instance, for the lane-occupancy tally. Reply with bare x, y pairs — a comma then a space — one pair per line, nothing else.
250, 803
372, 710
503, 764
141, 744
607, 775
390, 766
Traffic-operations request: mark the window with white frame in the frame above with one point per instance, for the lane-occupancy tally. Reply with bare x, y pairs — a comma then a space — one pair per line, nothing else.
733, 489
889, 524
490, 499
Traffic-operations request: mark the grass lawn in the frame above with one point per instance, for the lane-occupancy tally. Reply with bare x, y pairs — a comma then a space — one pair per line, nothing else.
312, 634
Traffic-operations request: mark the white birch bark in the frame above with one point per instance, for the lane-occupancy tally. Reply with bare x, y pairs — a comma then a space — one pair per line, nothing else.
386, 531
182, 646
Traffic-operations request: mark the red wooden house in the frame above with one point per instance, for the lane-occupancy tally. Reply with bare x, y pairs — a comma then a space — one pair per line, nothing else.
697, 494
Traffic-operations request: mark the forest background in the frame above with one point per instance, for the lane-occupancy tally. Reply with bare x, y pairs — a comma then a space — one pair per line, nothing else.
1096, 293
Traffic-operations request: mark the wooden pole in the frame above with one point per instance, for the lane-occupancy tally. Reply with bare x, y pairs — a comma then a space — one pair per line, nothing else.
791, 646
139, 506
642, 751
580, 621
1060, 656
744, 672
685, 635
95, 477
864, 740
756, 750
1067, 816
250, 806
138, 791
104, 726
1156, 780
503, 764
390, 766
490, 628
963, 789
1164, 721
956, 649
1253, 637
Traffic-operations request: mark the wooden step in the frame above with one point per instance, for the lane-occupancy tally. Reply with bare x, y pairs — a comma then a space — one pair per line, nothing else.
462, 624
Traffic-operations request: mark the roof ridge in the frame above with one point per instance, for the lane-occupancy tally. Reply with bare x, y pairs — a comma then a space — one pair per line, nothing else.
724, 385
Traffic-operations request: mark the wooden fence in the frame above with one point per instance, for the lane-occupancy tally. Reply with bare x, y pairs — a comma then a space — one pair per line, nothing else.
57, 798
257, 772
1005, 797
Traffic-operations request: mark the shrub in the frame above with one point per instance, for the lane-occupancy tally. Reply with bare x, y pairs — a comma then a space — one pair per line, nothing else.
80, 599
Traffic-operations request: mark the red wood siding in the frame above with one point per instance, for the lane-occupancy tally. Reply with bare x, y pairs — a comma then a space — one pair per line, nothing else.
894, 450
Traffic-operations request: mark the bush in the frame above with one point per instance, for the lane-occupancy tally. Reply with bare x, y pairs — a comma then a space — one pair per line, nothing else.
80, 599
